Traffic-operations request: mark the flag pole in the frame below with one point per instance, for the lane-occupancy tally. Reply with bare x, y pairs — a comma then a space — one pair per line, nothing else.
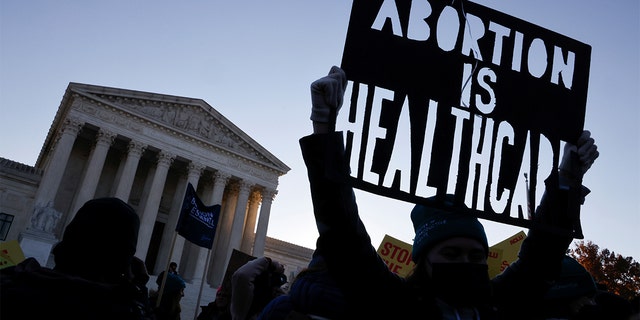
204, 274
197, 224
166, 269
529, 204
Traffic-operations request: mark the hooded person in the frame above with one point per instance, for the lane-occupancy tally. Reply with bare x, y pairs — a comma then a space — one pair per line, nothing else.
313, 295
92, 277
219, 308
576, 296
254, 285
89, 241
574, 289
169, 307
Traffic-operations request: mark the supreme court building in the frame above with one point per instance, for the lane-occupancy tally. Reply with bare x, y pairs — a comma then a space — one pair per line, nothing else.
144, 148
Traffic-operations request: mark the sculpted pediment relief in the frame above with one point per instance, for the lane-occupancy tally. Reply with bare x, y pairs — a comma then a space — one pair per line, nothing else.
195, 119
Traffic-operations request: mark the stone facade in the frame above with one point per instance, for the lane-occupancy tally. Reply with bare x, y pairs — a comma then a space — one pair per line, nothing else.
145, 148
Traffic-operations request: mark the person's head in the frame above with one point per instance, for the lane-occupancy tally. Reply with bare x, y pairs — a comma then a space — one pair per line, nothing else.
275, 266
572, 292
450, 249
171, 296
223, 297
175, 285
315, 292
138, 274
100, 241
173, 267
446, 235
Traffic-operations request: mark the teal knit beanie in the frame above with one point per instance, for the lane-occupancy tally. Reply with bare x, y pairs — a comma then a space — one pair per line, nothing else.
433, 225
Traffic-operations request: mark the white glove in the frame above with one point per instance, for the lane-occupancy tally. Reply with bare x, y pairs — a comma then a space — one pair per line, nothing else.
587, 153
327, 94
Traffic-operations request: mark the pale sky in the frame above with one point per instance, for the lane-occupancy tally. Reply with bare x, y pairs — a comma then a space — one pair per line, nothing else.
253, 61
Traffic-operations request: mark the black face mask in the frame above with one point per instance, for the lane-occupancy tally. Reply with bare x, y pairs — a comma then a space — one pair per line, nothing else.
461, 284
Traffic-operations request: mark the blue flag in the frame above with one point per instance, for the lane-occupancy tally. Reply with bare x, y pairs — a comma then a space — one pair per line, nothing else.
197, 222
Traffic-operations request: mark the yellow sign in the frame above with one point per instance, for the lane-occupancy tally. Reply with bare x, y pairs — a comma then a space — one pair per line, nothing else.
397, 255
503, 253
10, 254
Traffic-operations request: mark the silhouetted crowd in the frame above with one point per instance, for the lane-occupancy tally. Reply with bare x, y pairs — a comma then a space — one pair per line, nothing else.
97, 276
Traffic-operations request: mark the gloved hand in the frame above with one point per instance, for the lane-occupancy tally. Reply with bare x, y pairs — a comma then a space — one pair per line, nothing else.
327, 94
577, 159
543, 250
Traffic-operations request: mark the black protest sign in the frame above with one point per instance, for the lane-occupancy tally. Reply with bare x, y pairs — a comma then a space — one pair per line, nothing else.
453, 97
237, 260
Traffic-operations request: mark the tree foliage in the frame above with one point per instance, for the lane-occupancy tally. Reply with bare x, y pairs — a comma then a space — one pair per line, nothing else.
620, 275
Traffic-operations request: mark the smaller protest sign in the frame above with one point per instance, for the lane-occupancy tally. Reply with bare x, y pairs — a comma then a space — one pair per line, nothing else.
237, 260
10, 254
397, 255
503, 253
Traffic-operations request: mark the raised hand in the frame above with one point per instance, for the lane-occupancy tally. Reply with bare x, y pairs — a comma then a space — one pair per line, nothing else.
586, 152
327, 94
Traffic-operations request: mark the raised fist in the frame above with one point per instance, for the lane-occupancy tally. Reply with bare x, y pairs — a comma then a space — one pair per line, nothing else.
327, 94
577, 159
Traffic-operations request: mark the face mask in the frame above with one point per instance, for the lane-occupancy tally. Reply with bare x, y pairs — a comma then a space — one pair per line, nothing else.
461, 284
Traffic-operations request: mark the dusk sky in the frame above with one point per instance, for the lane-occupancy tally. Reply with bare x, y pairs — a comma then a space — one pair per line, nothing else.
253, 61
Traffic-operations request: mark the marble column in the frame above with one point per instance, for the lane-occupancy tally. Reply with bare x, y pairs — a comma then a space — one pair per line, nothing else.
219, 183
193, 173
221, 250
263, 222
190, 269
38, 243
237, 228
92, 172
152, 203
169, 231
128, 172
56, 164
220, 180
250, 223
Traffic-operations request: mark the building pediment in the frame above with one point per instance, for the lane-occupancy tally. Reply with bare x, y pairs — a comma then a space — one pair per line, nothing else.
187, 116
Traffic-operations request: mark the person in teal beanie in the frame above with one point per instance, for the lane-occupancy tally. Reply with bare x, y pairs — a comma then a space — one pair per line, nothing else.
434, 225
170, 296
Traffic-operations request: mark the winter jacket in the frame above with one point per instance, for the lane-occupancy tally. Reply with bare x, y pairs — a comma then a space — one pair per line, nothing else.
29, 291
252, 288
371, 290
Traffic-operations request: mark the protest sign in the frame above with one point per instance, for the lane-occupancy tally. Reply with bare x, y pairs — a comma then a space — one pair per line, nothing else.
397, 255
237, 260
503, 253
10, 254
450, 97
